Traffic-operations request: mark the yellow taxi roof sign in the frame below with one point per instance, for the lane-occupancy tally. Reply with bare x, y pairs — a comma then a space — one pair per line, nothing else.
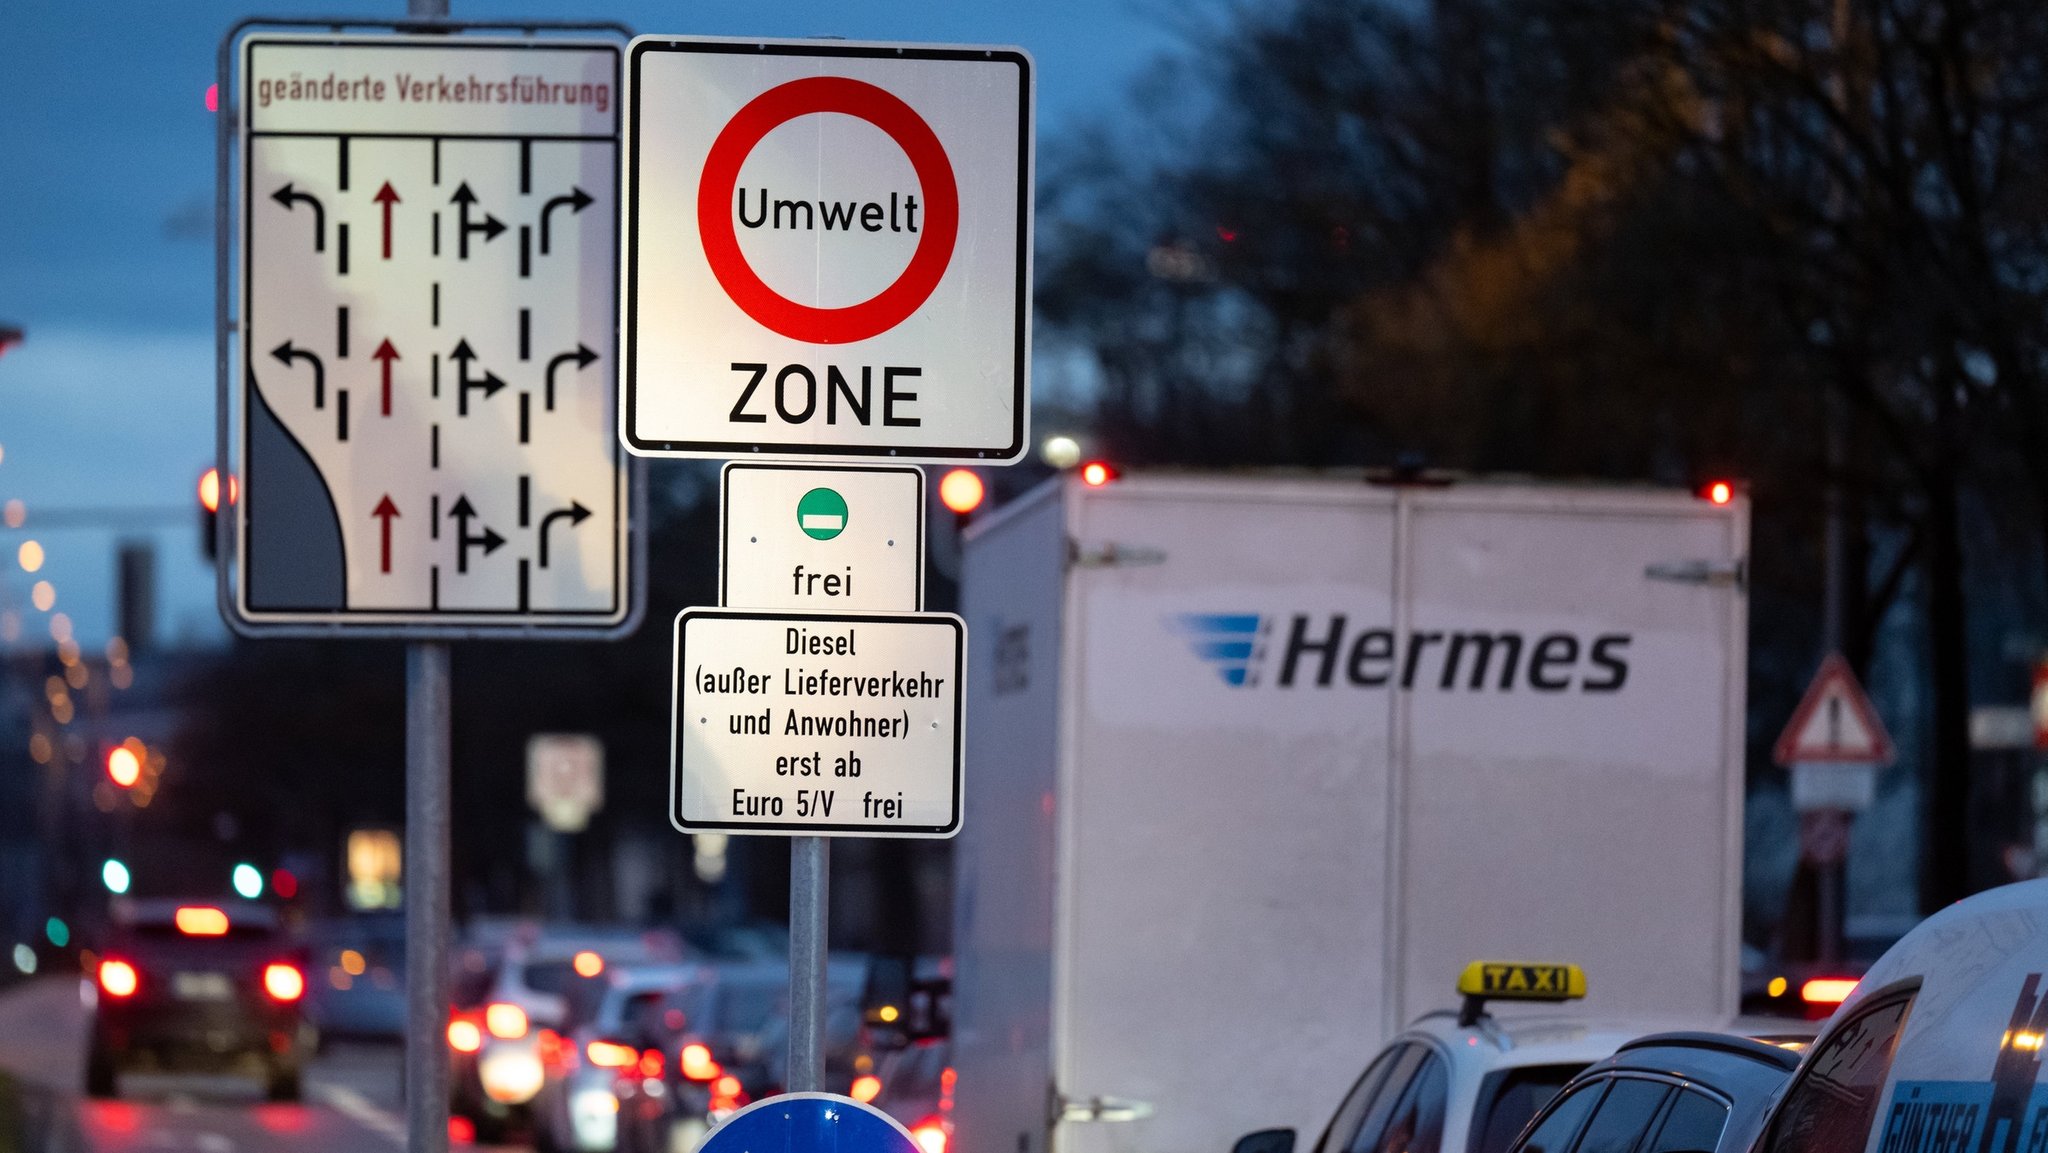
1522, 981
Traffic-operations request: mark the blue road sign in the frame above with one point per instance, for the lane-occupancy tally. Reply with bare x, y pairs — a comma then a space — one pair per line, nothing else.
809, 1123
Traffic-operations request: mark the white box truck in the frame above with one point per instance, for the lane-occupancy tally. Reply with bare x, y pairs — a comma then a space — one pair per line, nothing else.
1257, 764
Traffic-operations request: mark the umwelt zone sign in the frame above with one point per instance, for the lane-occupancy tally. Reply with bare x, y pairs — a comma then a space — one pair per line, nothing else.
827, 250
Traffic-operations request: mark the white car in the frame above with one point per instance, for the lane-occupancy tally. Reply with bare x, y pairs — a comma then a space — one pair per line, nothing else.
577, 1107
1939, 1049
1466, 1081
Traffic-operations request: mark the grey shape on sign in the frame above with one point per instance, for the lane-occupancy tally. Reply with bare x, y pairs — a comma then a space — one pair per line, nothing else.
294, 536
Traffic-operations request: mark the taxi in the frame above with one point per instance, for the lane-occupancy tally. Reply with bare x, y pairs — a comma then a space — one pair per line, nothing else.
1466, 1081
1939, 1049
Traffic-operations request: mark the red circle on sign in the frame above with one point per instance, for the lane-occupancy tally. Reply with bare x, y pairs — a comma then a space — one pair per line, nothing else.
887, 308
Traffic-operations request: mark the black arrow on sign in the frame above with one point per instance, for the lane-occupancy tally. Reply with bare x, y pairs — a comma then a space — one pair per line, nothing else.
491, 226
576, 513
285, 354
583, 357
489, 541
577, 200
490, 383
287, 197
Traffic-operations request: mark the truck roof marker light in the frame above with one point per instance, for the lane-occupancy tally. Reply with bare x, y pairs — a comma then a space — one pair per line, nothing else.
1827, 990
1097, 473
1718, 492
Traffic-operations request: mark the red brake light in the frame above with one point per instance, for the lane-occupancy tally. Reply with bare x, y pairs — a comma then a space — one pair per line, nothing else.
1097, 473
284, 982
650, 1063
865, 1088
930, 1135
697, 1063
201, 921
1827, 990
506, 1021
464, 1036
1718, 491
118, 978
607, 1055
552, 1050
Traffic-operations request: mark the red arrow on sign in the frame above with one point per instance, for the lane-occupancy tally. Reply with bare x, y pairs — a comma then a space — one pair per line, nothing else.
386, 511
387, 354
387, 197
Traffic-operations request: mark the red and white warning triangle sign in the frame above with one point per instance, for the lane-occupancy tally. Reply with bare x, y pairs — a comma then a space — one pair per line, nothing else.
1834, 723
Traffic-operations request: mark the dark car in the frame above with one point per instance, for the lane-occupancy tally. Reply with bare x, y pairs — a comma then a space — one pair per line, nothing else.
213, 987
1666, 1093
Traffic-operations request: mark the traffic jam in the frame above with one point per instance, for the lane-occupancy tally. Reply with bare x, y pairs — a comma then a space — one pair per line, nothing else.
1406, 581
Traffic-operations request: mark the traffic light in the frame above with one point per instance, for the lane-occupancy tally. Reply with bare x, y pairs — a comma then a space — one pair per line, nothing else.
248, 880
209, 508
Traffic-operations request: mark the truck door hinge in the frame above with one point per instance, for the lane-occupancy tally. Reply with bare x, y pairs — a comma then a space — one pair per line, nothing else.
1103, 1109
1714, 573
1110, 554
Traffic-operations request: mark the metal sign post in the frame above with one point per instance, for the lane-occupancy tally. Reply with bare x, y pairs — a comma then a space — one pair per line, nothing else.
426, 894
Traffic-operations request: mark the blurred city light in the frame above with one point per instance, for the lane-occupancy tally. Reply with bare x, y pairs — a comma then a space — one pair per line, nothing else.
31, 555
248, 880
114, 875
284, 883
124, 766
1060, 451
587, 964
25, 959
43, 596
213, 98
57, 931
16, 513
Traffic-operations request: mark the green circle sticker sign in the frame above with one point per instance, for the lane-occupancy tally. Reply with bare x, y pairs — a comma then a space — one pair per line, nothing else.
821, 514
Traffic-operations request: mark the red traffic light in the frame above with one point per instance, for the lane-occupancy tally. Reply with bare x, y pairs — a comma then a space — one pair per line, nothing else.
961, 490
209, 490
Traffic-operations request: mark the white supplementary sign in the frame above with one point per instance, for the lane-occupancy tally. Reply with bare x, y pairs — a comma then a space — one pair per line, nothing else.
565, 778
840, 539
828, 250
428, 306
1835, 723
817, 725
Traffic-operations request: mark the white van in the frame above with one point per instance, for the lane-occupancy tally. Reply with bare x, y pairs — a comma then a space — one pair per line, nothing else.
1939, 1049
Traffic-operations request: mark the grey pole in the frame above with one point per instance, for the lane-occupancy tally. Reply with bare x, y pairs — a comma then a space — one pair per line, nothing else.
426, 864
426, 896
810, 860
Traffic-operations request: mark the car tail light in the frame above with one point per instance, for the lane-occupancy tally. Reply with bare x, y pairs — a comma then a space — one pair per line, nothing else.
697, 1063
726, 1095
461, 1131
118, 978
608, 1055
650, 1063
1827, 990
1097, 473
865, 1089
464, 1036
549, 1044
284, 982
930, 1135
506, 1021
201, 921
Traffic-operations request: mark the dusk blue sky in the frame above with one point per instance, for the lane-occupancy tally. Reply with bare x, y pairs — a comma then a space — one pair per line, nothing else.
106, 241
